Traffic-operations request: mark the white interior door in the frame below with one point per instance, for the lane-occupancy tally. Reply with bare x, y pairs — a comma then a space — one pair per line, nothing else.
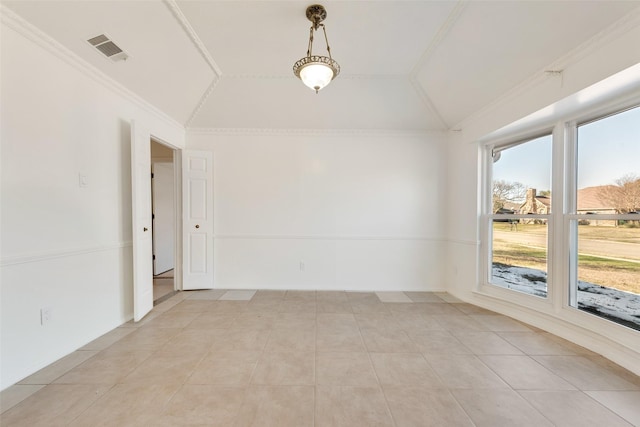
163, 217
197, 211
141, 221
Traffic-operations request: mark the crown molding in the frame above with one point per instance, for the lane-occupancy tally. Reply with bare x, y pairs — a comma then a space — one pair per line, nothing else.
452, 18
34, 34
555, 69
313, 132
440, 35
293, 77
417, 87
207, 94
191, 33
203, 99
427, 102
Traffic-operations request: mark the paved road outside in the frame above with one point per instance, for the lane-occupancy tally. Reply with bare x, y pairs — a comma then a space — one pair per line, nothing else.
603, 248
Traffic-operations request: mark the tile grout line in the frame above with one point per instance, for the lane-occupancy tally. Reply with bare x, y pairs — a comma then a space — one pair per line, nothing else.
536, 409
440, 378
386, 400
112, 386
509, 387
448, 389
25, 397
185, 381
315, 367
607, 407
253, 371
461, 406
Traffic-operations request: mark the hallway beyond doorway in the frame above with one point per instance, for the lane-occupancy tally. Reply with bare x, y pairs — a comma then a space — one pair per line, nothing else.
163, 286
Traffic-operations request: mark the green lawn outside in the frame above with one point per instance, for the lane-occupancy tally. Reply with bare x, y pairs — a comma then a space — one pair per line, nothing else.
614, 234
601, 270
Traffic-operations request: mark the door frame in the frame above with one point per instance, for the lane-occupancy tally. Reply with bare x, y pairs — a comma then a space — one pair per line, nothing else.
177, 210
178, 160
177, 214
177, 206
145, 191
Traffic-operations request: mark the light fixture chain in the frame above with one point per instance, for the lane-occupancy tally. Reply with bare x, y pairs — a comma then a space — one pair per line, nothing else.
310, 48
326, 40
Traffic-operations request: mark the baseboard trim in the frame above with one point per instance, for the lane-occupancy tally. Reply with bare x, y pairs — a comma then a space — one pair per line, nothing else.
320, 237
327, 289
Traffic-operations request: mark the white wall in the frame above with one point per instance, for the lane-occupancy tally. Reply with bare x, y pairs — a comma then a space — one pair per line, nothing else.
360, 211
64, 246
614, 51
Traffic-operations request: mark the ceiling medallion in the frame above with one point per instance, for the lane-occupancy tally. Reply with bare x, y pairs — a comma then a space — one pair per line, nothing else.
316, 71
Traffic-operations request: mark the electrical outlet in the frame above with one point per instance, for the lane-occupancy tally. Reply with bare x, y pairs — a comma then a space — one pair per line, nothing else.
301, 265
82, 180
46, 315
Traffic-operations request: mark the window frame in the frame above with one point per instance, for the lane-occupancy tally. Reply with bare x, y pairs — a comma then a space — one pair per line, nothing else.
571, 216
562, 238
490, 216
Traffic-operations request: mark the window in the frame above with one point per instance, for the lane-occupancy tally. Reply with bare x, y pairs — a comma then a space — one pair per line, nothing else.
605, 226
521, 207
584, 245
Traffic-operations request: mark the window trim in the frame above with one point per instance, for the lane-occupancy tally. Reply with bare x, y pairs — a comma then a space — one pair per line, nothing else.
562, 246
571, 215
487, 215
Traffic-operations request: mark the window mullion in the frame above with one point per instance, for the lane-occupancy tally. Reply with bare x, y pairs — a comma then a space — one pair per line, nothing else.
570, 235
485, 212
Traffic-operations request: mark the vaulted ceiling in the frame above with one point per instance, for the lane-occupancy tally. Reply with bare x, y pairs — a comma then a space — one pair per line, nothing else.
406, 65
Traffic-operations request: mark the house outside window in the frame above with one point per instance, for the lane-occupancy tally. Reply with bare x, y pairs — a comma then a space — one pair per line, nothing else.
520, 217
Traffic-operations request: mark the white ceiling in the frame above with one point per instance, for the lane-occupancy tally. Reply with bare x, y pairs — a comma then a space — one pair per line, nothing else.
406, 65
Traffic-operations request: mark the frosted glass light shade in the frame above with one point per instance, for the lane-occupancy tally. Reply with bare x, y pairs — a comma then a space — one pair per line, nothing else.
316, 71
316, 76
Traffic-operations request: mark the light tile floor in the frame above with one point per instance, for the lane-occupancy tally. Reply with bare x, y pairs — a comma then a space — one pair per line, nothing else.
275, 358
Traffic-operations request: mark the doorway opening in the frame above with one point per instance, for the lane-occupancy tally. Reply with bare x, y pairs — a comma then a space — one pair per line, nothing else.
163, 202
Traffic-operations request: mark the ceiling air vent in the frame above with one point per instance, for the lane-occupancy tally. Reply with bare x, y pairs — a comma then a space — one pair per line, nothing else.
108, 48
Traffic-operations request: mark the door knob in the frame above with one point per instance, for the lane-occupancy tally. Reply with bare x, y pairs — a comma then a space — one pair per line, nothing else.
197, 225
145, 229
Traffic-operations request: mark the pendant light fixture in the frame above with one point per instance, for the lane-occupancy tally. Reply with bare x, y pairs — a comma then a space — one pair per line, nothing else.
316, 71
